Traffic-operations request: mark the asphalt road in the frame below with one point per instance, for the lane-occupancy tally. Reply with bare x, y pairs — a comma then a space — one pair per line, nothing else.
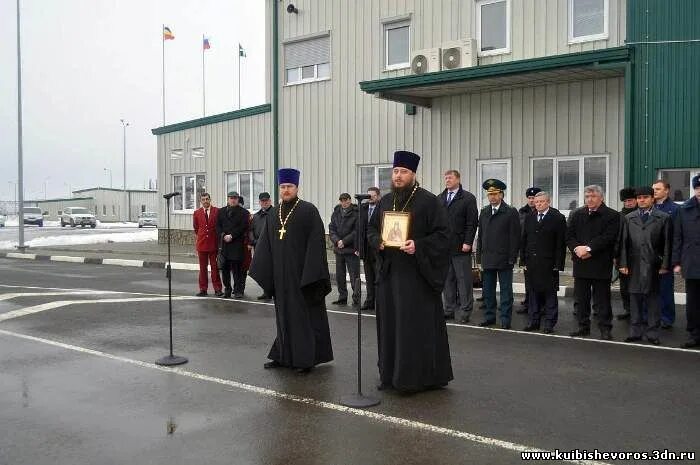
78, 384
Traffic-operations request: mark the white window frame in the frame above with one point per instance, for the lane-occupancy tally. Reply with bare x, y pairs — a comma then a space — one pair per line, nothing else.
182, 191
376, 175
508, 180
307, 80
388, 26
554, 195
589, 38
500, 51
250, 198
177, 154
198, 152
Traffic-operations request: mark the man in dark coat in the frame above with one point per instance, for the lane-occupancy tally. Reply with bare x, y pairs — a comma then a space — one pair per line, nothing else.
231, 228
591, 236
414, 354
257, 226
524, 212
463, 218
498, 243
290, 264
343, 233
663, 202
686, 260
629, 204
543, 252
645, 254
368, 254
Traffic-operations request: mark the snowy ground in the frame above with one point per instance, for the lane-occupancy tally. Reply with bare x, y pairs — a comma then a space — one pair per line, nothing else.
13, 222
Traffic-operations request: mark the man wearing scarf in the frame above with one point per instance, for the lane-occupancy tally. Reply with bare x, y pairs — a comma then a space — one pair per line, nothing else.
414, 354
290, 265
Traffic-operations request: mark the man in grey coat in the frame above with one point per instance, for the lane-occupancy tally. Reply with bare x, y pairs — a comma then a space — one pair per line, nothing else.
343, 232
645, 255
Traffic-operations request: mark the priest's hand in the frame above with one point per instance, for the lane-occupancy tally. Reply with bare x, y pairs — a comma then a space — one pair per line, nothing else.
340, 244
228, 238
624, 270
409, 247
677, 269
381, 246
466, 248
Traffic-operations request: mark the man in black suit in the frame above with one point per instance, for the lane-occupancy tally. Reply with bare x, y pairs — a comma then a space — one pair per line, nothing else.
525, 211
591, 236
232, 228
463, 217
497, 251
543, 252
367, 254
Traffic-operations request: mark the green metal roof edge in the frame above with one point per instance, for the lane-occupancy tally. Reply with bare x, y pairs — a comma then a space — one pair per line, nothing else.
112, 189
243, 113
608, 55
59, 200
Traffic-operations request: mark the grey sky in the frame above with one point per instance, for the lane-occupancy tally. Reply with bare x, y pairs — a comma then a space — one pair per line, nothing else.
88, 63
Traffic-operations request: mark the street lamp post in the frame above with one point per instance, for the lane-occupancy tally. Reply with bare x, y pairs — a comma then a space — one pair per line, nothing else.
110, 176
20, 166
124, 125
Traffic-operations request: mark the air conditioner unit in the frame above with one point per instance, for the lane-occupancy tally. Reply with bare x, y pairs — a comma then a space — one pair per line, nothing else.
425, 61
459, 54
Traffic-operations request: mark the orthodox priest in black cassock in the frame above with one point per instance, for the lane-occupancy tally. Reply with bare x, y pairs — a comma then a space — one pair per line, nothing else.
290, 264
414, 354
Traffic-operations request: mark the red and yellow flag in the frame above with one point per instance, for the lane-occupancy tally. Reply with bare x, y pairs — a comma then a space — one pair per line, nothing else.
168, 34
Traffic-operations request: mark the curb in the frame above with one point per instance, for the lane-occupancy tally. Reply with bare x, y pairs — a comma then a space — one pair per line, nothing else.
518, 288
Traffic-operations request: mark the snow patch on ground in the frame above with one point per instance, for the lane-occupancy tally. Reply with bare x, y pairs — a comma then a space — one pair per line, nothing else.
106, 238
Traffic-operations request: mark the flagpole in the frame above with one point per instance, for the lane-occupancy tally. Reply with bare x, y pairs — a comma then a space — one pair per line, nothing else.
20, 161
239, 76
162, 38
204, 98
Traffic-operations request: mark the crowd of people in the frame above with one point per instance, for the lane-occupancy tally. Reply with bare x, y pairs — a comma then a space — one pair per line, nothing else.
422, 252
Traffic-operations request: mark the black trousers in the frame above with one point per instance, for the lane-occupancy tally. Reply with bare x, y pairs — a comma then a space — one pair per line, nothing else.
599, 290
370, 265
625, 293
351, 263
692, 307
543, 304
234, 268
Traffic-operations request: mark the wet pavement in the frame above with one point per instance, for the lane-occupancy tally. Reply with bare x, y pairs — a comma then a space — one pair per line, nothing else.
78, 384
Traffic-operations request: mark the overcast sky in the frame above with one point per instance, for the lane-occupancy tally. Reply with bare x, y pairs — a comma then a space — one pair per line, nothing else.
88, 63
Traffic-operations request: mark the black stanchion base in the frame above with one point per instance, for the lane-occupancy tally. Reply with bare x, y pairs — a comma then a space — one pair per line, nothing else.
171, 360
359, 401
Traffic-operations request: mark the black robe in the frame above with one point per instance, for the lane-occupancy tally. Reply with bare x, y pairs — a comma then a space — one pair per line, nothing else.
295, 271
412, 336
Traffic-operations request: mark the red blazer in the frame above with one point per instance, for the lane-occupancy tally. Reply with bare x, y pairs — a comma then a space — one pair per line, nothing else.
205, 231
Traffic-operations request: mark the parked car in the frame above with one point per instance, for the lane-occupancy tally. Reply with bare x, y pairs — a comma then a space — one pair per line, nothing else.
148, 219
78, 216
3, 218
33, 215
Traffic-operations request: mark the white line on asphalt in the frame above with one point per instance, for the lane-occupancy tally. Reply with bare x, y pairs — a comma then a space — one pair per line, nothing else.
369, 315
376, 416
15, 295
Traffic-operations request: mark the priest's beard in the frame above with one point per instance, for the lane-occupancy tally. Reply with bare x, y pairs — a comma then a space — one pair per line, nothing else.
401, 194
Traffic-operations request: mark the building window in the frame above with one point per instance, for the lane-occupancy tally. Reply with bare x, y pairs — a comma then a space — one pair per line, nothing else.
198, 152
143, 208
397, 45
588, 20
248, 184
496, 169
565, 177
307, 60
104, 210
493, 26
680, 181
191, 186
176, 154
375, 176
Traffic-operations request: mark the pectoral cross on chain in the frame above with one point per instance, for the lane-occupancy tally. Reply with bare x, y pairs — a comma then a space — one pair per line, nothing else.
282, 232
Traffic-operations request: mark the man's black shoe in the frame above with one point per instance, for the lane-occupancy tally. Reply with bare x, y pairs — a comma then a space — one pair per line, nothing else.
531, 327
367, 306
484, 324
238, 295
665, 325
202, 294
633, 339
219, 294
272, 364
654, 340
582, 332
340, 302
449, 316
623, 316
505, 325
384, 386
462, 321
690, 344
264, 297
227, 295
605, 335
548, 330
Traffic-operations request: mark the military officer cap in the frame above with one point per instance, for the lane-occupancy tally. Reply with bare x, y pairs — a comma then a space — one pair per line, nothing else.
627, 193
644, 190
531, 191
233, 194
696, 181
493, 186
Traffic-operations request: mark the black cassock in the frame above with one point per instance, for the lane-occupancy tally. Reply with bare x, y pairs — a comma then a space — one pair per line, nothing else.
412, 336
294, 270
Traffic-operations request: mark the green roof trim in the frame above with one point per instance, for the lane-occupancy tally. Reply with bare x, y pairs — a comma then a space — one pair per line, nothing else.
243, 113
569, 60
58, 200
111, 189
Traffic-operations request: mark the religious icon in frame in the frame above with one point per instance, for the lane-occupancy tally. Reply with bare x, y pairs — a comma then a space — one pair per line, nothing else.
395, 228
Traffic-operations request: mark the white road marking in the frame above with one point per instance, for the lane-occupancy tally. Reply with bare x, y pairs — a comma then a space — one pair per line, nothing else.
376, 416
369, 315
15, 295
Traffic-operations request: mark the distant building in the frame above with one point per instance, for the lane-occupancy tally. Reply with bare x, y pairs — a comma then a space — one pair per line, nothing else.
108, 205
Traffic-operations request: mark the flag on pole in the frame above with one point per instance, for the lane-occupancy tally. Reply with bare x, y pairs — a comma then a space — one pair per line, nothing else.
167, 34
205, 44
241, 51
